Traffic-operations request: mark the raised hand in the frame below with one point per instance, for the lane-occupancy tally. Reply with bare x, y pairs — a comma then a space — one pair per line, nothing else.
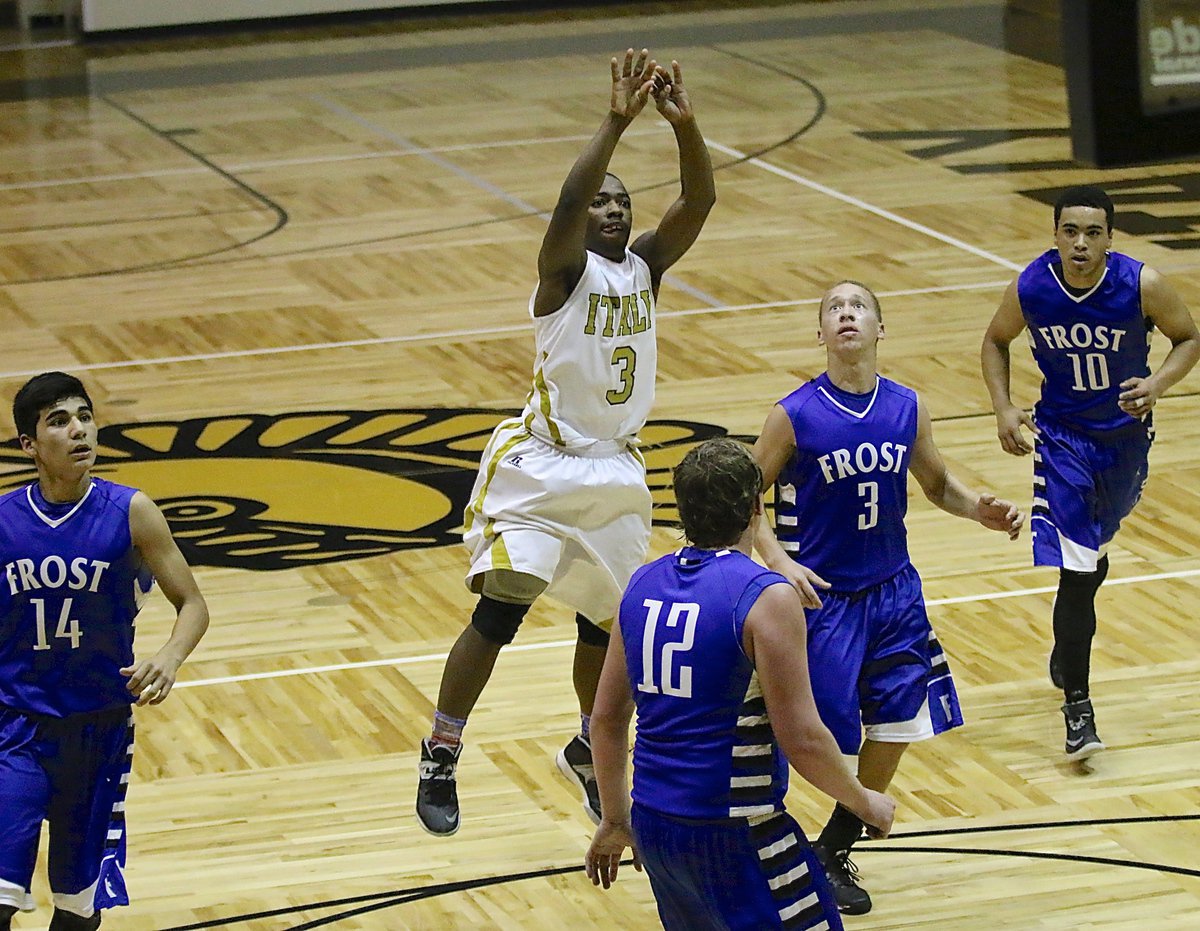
632, 83
670, 97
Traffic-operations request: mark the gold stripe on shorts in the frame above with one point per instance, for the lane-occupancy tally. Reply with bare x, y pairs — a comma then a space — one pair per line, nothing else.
500, 557
476, 506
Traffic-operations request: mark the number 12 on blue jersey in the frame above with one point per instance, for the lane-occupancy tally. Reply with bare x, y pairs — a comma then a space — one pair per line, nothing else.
675, 678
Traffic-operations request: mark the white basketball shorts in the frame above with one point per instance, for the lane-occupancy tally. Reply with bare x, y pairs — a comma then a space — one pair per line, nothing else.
579, 522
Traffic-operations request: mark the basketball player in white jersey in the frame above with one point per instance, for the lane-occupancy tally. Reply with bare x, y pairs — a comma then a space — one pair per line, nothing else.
560, 504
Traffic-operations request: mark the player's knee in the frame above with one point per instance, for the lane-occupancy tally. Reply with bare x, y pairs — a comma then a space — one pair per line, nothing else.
514, 588
497, 621
592, 634
1073, 583
69, 921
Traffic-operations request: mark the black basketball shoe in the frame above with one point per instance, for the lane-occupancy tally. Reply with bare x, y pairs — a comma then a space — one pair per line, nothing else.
852, 899
1082, 739
575, 762
437, 792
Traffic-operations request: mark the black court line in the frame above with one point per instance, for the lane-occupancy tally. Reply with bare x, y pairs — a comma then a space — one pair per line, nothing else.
206, 259
123, 221
377, 901
1039, 855
172, 137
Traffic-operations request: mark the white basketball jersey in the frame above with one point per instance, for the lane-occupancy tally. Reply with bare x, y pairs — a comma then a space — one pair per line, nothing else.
593, 376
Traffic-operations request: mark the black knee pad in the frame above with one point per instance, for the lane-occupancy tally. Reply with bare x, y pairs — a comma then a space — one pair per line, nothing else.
69, 921
498, 621
1087, 583
591, 634
6, 913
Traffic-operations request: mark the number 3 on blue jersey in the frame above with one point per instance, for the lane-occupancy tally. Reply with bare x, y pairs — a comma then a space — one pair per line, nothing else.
676, 678
869, 492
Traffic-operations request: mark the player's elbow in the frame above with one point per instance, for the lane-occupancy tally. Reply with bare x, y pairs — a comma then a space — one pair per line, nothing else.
993, 345
702, 203
609, 722
806, 739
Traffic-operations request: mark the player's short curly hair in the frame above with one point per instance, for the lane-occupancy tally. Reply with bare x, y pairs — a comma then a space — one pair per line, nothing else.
40, 392
716, 487
1085, 195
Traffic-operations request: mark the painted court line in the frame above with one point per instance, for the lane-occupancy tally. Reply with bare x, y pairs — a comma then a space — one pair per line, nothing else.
244, 167
868, 207
557, 644
460, 334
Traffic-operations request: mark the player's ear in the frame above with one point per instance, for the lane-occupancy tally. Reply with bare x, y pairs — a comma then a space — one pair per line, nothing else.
882, 334
27, 443
820, 337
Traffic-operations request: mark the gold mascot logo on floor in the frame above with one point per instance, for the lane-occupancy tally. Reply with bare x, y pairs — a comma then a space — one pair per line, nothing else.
255, 491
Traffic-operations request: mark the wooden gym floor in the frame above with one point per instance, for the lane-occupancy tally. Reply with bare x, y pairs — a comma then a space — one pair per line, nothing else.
292, 270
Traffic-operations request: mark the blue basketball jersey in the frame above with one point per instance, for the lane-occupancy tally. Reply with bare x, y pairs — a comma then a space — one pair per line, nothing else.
71, 583
1085, 345
704, 746
840, 501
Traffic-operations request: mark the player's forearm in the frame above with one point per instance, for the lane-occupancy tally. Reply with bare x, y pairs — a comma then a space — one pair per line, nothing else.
698, 189
815, 756
610, 748
997, 368
190, 626
1179, 361
587, 174
765, 541
953, 497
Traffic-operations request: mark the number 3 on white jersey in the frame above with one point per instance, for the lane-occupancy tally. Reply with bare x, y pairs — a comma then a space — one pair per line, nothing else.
668, 659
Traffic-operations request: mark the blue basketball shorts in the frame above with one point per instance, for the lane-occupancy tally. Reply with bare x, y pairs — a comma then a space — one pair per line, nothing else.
875, 662
1084, 485
72, 772
738, 873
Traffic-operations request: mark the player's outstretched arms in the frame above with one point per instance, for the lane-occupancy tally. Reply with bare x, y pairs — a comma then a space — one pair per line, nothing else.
663, 246
151, 680
562, 258
774, 638
611, 715
1006, 325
